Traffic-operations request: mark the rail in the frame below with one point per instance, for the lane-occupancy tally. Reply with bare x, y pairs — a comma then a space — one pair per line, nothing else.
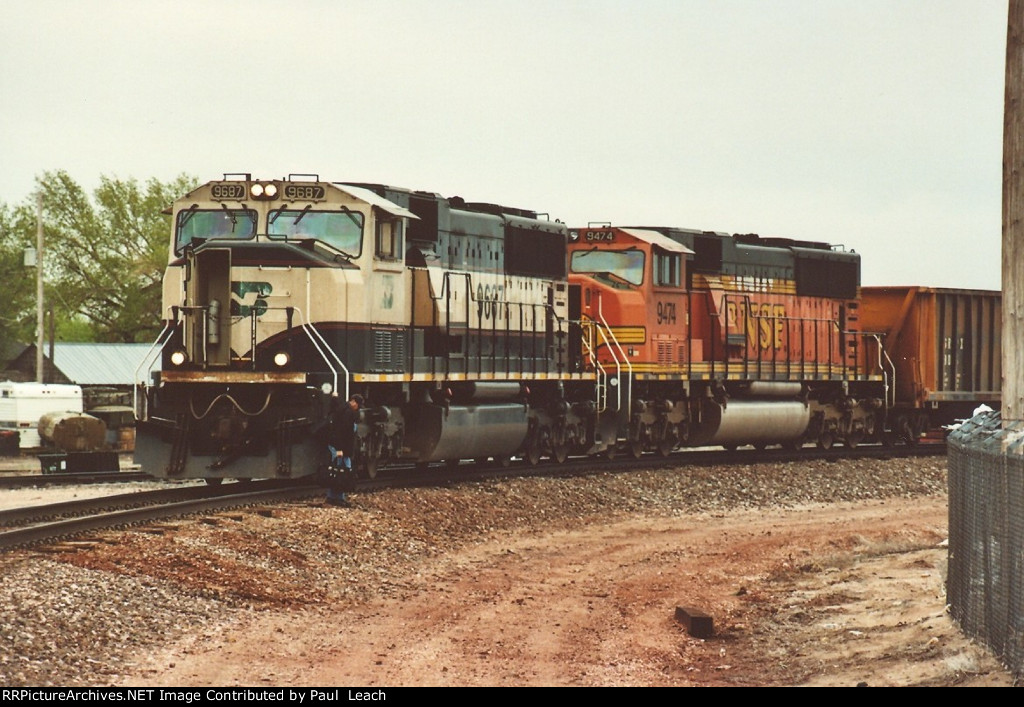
149, 506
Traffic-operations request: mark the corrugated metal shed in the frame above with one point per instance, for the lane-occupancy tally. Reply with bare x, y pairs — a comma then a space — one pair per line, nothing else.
99, 364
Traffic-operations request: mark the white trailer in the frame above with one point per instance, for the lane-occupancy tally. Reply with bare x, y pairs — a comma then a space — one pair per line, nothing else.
22, 404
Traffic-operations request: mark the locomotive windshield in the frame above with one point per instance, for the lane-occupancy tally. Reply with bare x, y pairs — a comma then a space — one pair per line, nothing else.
611, 265
342, 230
205, 224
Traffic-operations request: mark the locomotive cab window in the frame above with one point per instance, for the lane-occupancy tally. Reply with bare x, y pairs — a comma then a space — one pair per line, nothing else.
666, 269
207, 224
341, 230
388, 239
616, 267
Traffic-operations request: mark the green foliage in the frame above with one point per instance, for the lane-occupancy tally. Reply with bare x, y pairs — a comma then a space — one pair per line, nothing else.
105, 257
17, 282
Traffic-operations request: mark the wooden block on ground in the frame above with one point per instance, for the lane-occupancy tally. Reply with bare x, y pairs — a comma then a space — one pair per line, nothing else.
697, 623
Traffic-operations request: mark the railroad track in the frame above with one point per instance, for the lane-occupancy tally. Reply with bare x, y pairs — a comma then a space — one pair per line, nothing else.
57, 521
46, 523
18, 481
682, 459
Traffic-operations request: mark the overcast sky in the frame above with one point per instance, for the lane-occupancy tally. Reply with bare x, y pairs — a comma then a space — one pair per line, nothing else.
876, 124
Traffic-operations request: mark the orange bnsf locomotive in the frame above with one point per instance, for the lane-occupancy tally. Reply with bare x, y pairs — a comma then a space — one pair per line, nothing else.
477, 331
725, 340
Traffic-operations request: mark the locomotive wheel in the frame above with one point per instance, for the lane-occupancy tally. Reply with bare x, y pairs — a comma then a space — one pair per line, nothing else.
906, 430
887, 438
665, 447
560, 453
793, 445
481, 461
452, 463
610, 452
760, 446
825, 441
918, 426
370, 470
504, 462
636, 448
532, 455
853, 439
422, 466
869, 427
213, 480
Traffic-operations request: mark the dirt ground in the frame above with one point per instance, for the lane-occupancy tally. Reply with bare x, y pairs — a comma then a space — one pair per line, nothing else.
819, 595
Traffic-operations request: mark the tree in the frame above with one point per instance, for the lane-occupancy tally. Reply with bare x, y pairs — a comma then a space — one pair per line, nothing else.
105, 263
17, 282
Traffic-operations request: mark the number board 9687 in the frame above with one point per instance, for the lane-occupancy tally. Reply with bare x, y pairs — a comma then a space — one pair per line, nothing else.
232, 191
304, 192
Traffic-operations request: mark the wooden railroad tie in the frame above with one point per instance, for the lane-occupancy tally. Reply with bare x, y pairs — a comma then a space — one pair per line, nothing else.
697, 623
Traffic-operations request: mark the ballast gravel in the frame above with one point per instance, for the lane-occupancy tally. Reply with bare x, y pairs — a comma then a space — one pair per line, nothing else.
81, 614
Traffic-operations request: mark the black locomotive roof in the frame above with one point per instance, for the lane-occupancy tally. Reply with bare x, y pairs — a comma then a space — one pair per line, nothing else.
770, 242
817, 269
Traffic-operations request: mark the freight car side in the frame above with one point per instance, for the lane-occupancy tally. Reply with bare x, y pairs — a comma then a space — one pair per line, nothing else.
945, 348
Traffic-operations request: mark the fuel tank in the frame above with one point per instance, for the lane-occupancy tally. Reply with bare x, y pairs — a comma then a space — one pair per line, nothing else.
437, 432
751, 422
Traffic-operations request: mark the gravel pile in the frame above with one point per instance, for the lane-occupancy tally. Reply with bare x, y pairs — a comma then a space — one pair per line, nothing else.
86, 615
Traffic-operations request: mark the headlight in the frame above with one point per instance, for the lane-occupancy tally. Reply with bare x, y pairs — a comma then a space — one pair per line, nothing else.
179, 357
281, 359
263, 191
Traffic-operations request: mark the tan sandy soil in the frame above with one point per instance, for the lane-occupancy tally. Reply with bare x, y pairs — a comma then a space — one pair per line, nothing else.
818, 594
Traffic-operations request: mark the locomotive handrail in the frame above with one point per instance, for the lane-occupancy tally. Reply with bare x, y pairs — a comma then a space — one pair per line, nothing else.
888, 388
595, 325
308, 327
445, 293
203, 322
146, 363
446, 288
601, 389
618, 366
563, 327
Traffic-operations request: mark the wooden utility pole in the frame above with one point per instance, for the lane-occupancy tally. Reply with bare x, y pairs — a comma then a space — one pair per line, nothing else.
40, 326
1013, 219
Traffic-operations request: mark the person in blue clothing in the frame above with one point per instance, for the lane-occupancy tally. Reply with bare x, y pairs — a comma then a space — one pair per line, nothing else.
340, 447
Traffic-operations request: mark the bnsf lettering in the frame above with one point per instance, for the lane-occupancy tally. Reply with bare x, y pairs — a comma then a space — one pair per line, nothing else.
763, 323
666, 312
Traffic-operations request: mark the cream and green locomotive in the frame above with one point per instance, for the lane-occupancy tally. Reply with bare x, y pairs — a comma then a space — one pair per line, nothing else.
450, 318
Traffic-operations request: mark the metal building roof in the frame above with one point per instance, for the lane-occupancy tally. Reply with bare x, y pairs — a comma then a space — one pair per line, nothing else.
100, 364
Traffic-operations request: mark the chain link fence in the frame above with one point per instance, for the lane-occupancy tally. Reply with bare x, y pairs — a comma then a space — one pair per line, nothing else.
985, 585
